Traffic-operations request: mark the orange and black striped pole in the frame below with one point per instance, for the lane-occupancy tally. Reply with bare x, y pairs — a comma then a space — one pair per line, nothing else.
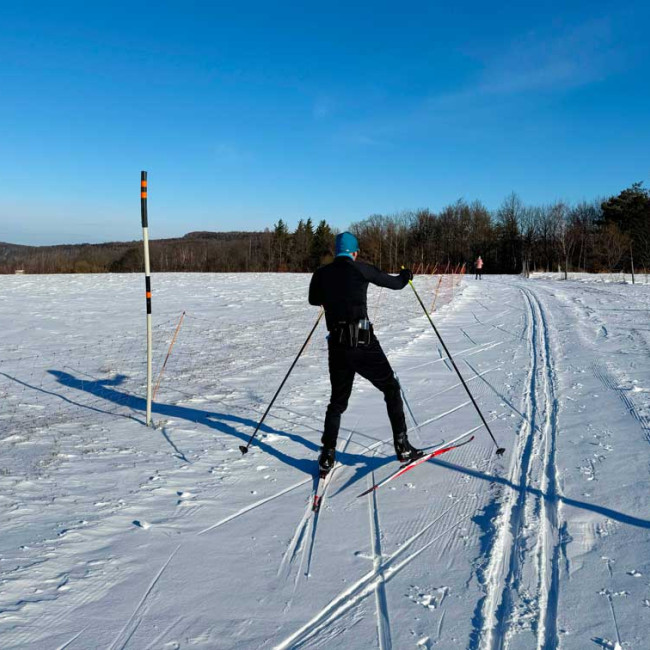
147, 284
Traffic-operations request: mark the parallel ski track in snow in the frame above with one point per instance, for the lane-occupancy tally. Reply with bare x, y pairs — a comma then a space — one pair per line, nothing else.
254, 505
522, 575
381, 602
360, 589
602, 372
315, 518
135, 619
385, 567
549, 540
72, 640
308, 525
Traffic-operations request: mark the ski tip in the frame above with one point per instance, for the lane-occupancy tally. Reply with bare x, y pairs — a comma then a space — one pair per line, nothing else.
243, 449
501, 451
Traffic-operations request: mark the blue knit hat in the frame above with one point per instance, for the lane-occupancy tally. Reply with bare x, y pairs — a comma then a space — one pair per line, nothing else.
346, 244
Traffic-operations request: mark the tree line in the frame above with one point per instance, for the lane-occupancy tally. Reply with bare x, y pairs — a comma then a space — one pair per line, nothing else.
600, 235
596, 236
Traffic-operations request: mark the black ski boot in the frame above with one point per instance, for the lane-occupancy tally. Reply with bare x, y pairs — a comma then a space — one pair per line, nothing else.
404, 450
326, 459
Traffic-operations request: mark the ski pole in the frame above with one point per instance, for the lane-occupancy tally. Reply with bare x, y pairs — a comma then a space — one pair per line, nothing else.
408, 406
500, 450
244, 448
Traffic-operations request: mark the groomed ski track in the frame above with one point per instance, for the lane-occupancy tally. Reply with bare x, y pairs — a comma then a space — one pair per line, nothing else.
521, 578
544, 548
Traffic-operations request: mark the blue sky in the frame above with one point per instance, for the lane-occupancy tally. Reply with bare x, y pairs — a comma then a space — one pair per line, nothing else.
244, 113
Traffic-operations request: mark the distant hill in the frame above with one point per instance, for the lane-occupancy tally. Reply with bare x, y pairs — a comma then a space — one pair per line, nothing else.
221, 236
7, 251
195, 251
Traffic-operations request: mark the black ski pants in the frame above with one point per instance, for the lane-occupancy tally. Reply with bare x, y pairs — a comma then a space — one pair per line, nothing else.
371, 363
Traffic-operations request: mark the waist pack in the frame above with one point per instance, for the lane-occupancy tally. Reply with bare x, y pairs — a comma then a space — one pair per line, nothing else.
352, 334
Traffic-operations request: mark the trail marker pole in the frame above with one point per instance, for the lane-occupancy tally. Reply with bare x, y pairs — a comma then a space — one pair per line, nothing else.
147, 284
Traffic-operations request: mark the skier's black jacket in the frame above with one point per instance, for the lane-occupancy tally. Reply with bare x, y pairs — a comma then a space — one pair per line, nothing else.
341, 287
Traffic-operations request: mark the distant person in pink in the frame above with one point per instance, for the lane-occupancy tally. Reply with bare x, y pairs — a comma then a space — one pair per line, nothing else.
478, 265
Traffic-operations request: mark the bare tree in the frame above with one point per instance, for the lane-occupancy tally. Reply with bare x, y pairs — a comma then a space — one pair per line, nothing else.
612, 245
566, 233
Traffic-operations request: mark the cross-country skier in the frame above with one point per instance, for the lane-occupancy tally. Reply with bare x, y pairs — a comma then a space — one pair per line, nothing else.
341, 288
478, 265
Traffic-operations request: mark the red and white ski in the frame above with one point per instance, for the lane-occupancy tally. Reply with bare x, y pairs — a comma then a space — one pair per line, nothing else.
453, 444
321, 487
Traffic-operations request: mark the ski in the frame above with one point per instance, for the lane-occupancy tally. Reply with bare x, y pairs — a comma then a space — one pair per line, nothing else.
321, 486
454, 444
323, 480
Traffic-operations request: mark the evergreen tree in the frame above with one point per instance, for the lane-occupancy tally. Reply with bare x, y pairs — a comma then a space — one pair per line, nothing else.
630, 213
281, 241
301, 245
322, 246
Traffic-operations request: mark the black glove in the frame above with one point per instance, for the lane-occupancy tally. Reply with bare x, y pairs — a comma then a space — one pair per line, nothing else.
406, 275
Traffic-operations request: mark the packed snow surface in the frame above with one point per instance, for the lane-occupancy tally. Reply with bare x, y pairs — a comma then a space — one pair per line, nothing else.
116, 535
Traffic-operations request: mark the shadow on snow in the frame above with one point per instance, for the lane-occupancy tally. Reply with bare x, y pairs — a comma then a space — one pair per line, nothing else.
223, 422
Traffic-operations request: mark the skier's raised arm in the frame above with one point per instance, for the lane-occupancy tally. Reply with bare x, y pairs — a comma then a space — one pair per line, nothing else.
375, 276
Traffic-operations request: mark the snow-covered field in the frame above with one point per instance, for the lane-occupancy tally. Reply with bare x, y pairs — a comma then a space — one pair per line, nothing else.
115, 535
600, 278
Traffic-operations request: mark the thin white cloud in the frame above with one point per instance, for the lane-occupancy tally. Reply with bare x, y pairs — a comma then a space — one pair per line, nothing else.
550, 60
554, 61
229, 154
545, 61
322, 108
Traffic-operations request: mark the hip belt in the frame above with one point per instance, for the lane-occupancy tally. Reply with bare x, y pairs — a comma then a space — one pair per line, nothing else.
352, 334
